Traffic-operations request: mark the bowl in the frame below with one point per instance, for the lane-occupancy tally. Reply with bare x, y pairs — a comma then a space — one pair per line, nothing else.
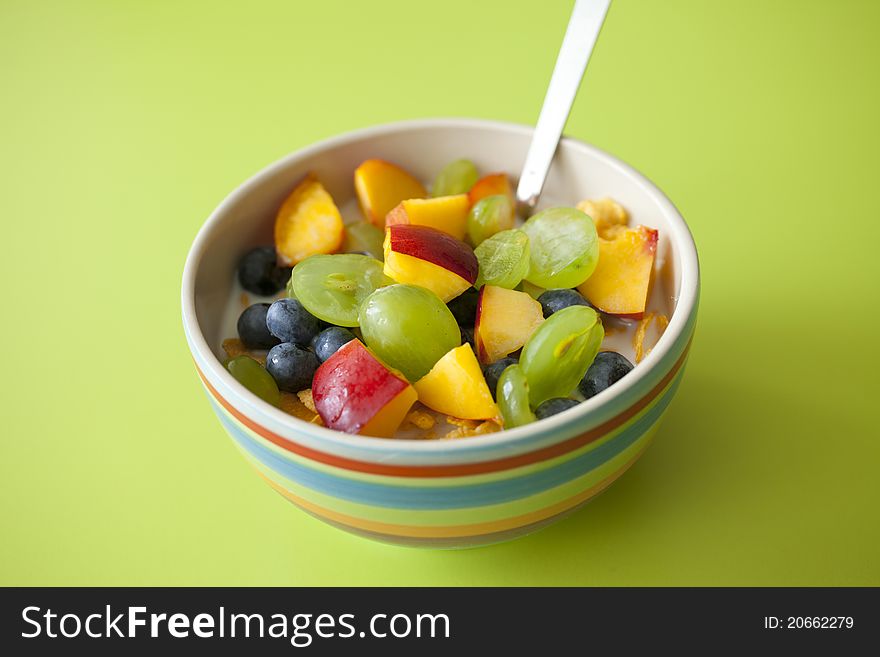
441, 493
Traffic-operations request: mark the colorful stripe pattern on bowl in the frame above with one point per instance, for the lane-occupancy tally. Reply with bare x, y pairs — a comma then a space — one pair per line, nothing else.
471, 502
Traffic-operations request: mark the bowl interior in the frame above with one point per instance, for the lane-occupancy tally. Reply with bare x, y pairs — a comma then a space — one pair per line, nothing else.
246, 217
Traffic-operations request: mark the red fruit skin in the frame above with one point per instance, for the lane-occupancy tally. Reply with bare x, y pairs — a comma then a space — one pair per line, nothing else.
651, 242
481, 350
352, 386
437, 247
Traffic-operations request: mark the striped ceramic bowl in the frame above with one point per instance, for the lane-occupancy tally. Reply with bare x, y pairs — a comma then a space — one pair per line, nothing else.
440, 493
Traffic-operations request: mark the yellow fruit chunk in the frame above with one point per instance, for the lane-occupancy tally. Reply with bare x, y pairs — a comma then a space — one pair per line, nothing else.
446, 213
411, 270
385, 423
609, 216
380, 186
490, 185
620, 284
505, 320
456, 386
307, 223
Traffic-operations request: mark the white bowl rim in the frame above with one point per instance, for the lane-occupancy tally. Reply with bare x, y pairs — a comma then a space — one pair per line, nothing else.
331, 440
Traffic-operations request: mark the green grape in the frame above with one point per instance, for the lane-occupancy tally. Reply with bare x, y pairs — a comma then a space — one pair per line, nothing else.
409, 328
255, 378
513, 397
332, 287
490, 215
455, 178
364, 236
559, 352
565, 247
531, 289
503, 258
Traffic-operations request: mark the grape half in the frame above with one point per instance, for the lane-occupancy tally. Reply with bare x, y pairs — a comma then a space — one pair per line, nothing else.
409, 328
559, 352
564, 247
255, 378
455, 178
513, 397
504, 259
332, 287
490, 215
364, 236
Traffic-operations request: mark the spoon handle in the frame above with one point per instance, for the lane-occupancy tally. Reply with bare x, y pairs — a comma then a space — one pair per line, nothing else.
577, 45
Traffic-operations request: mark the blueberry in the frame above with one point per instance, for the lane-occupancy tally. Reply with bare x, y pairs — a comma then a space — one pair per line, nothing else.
555, 300
554, 406
289, 321
291, 366
493, 372
608, 368
464, 307
252, 327
258, 271
467, 335
328, 341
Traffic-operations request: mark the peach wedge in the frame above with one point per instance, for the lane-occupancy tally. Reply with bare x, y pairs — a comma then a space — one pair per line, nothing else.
456, 386
505, 320
355, 392
430, 258
622, 279
380, 186
308, 223
446, 213
490, 185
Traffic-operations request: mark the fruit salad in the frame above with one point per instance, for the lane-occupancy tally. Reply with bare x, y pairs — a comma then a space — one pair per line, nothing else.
434, 312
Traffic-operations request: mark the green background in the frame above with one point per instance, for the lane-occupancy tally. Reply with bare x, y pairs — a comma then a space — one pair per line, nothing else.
123, 124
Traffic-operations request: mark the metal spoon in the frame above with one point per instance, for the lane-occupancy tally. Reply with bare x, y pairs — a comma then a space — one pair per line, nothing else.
577, 45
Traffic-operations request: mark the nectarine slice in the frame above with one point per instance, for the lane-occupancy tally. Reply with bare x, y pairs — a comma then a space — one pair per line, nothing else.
380, 186
505, 320
490, 185
419, 255
446, 213
386, 422
308, 223
456, 386
622, 279
355, 392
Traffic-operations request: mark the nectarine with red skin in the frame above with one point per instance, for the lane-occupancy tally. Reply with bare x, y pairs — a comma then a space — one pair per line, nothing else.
355, 392
436, 247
